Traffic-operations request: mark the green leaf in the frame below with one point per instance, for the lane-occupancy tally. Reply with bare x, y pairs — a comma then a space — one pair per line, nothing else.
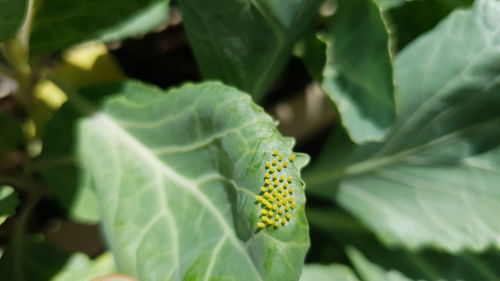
388, 4
374, 262
358, 71
434, 182
80, 268
405, 266
59, 24
312, 50
36, 259
335, 272
12, 134
177, 173
59, 167
417, 17
12, 14
8, 202
245, 43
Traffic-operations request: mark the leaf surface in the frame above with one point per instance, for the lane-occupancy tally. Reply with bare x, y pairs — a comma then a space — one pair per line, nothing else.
334, 272
182, 168
372, 261
434, 182
12, 134
8, 202
59, 24
358, 71
12, 14
245, 43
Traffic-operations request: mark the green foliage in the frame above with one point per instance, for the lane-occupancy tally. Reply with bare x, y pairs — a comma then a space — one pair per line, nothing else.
11, 15
34, 258
358, 71
60, 24
404, 188
8, 202
313, 272
12, 134
437, 172
188, 165
245, 43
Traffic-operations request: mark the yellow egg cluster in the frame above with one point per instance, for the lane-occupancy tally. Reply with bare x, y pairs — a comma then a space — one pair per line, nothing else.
276, 195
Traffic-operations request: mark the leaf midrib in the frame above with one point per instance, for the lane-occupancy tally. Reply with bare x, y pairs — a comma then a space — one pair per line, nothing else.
188, 184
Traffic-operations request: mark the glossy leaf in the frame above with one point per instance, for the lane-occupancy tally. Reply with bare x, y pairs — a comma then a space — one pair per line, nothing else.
358, 72
59, 24
435, 180
245, 43
317, 272
12, 16
178, 173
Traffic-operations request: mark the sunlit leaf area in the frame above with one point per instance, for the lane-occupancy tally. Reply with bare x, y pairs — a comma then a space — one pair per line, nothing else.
262, 140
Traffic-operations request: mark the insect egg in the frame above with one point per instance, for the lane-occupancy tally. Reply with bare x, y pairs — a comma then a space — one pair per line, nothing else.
276, 201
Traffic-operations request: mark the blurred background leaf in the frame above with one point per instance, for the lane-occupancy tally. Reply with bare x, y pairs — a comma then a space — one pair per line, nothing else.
12, 14
59, 24
336, 272
8, 202
245, 43
33, 258
358, 72
372, 261
434, 181
11, 134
